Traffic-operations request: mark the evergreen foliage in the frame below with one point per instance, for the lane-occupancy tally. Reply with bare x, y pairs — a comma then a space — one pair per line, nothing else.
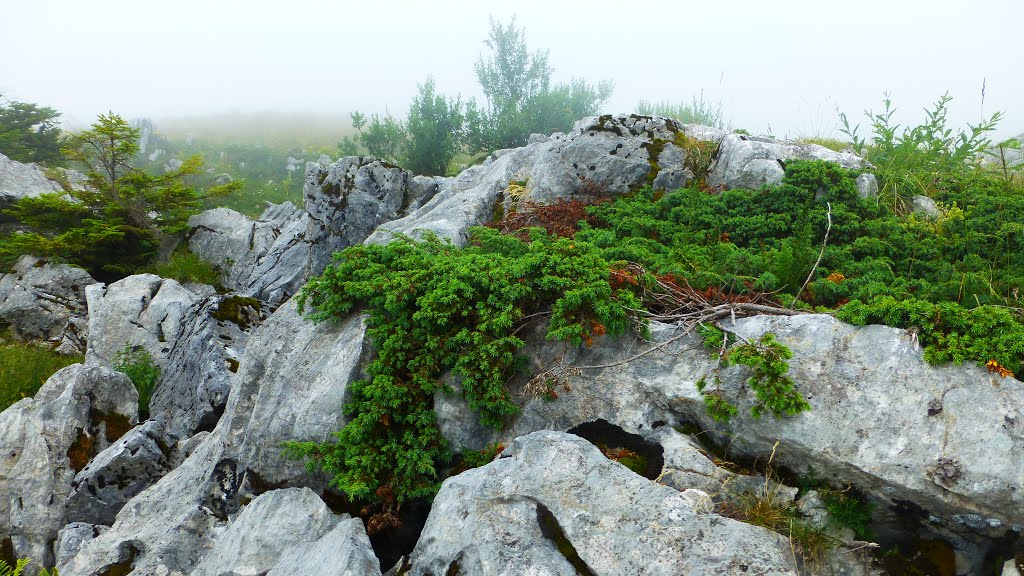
435, 309
116, 225
30, 133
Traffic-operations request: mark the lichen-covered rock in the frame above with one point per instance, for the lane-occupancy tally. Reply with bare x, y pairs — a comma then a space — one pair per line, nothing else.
350, 198
129, 466
291, 385
265, 258
552, 503
46, 440
46, 302
751, 162
196, 341
277, 532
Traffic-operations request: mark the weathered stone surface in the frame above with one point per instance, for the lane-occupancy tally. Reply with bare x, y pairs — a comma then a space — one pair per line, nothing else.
45, 440
925, 206
19, 181
196, 341
291, 384
343, 551
867, 185
265, 258
46, 302
601, 156
872, 423
275, 529
72, 537
129, 466
350, 198
510, 516
750, 162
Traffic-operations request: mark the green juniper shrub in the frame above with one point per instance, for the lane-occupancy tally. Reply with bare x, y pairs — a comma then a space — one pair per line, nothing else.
435, 308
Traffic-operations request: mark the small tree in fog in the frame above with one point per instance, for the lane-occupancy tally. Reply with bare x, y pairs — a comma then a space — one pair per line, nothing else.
434, 128
519, 98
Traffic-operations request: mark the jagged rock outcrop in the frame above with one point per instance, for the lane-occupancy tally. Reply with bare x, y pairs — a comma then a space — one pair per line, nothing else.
46, 440
129, 466
272, 257
605, 156
291, 386
46, 302
265, 258
196, 341
549, 491
350, 198
278, 530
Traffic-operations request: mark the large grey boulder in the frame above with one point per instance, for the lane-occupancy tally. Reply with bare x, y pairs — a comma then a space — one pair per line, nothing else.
265, 258
942, 440
19, 181
549, 491
46, 440
46, 302
129, 466
751, 162
196, 340
291, 385
281, 530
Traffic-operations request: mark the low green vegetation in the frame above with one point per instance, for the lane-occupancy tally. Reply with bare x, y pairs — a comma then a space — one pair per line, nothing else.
435, 309
137, 363
25, 367
185, 266
696, 111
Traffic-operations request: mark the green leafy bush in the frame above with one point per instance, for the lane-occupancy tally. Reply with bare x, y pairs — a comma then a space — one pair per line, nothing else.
138, 364
434, 308
916, 159
25, 368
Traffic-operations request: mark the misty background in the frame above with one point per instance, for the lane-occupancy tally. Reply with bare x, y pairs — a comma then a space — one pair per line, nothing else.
782, 68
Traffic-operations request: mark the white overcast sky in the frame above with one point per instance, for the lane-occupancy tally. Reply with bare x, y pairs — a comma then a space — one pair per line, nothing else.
780, 65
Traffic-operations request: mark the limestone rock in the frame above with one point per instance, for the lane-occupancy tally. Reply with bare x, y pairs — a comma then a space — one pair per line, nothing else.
925, 206
19, 181
549, 490
291, 385
46, 302
129, 466
265, 258
750, 162
870, 425
46, 440
72, 537
195, 340
350, 198
279, 529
